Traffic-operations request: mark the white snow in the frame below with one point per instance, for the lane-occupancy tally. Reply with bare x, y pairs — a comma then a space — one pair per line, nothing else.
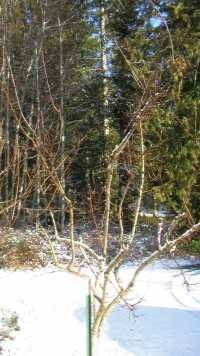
51, 309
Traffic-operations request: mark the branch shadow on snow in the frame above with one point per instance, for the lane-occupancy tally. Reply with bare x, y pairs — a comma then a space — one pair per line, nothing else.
153, 331
80, 314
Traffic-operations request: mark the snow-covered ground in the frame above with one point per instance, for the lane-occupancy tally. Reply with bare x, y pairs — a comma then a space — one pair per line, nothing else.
51, 309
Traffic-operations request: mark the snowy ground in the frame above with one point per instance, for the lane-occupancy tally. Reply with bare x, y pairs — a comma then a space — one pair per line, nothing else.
51, 309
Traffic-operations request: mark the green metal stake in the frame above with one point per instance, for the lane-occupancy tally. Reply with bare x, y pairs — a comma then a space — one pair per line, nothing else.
88, 321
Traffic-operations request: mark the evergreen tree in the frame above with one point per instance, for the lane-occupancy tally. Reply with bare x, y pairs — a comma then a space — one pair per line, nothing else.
178, 117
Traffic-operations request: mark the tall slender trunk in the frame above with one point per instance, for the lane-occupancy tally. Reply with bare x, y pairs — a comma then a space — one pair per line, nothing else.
38, 164
23, 179
15, 187
104, 66
62, 123
7, 195
38, 48
2, 140
26, 157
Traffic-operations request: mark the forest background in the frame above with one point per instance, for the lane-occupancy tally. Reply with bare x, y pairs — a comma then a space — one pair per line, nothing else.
73, 64
99, 119
81, 69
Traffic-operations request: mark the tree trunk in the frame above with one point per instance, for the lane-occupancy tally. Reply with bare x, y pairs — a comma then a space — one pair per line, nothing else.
8, 134
2, 104
62, 123
104, 69
104, 66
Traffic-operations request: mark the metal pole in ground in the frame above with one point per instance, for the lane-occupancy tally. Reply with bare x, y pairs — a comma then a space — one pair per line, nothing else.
89, 320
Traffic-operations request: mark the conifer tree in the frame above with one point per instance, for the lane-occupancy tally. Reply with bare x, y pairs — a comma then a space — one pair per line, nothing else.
178, 118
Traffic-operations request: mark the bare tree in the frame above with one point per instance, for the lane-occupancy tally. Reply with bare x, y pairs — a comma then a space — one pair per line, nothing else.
103, 254
95, 253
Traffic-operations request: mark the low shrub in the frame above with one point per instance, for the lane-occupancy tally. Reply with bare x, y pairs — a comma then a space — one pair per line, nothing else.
8, 324
24, 250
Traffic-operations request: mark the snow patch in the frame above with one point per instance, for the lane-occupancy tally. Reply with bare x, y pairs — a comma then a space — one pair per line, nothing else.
51, 308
